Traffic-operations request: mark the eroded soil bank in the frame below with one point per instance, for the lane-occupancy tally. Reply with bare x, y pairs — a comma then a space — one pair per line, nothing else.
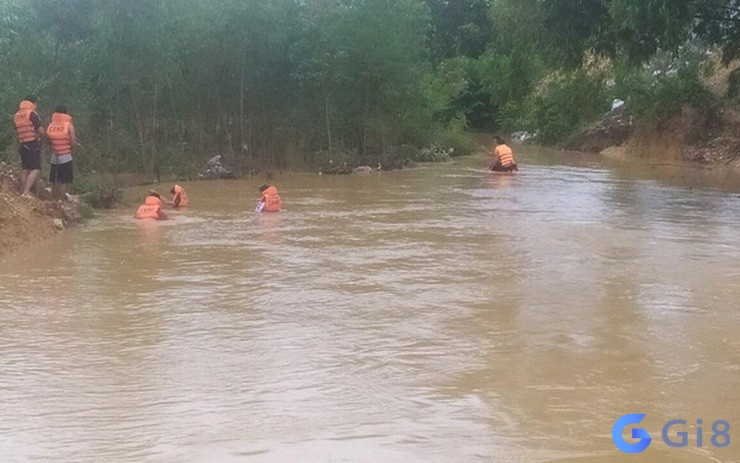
25, 221
691, 135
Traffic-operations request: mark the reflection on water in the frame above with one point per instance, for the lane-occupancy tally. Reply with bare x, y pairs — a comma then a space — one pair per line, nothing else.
435, 314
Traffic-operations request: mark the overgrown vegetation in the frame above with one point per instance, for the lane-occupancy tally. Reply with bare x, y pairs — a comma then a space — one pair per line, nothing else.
159, 86
97, 195
659, 89
579, 56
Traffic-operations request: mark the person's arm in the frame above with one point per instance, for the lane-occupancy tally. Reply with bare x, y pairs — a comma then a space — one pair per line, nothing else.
36, 121
494, 157
72, 137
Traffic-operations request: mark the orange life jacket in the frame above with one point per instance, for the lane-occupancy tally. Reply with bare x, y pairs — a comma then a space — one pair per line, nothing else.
58, 134
505, 155
183, 198
151, 209
23, 125
271, 198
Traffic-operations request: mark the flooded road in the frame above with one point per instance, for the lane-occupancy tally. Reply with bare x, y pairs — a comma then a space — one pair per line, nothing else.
440, 314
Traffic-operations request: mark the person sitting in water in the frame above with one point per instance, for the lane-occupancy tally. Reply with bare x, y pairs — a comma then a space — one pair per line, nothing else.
269, 199
152, 207
503, 157
179, 198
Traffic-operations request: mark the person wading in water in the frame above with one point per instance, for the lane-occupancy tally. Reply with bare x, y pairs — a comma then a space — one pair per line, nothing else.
503, 157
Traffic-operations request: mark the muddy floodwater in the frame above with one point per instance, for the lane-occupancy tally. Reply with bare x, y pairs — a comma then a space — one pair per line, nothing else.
438, 314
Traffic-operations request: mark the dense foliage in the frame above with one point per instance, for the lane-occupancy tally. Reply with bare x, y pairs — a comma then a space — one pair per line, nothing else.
160, 85
163, 84
579, 55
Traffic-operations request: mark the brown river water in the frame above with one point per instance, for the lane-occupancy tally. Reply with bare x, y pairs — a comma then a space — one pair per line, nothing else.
437, 314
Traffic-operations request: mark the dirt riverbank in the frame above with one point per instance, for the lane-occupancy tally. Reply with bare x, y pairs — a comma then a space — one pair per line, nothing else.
25, 221
688, 136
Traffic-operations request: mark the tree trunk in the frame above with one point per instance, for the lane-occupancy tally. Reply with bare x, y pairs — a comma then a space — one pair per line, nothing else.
241, 108
367, 110
155, 153
328, 124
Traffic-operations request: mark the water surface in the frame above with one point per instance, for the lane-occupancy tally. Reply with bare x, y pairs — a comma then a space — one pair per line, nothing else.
435, 314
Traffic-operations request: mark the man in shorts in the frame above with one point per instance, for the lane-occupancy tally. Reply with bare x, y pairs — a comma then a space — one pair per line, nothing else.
29, 129
62, 138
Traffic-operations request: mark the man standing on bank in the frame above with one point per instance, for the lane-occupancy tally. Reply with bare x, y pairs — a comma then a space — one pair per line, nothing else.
29, 129
61, 136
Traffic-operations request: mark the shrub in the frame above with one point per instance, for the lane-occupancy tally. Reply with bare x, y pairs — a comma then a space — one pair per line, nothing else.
454, 137
658, 90
95, 194
562, 105
433, 153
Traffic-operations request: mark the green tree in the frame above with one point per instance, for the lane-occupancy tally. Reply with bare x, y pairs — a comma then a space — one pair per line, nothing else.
459, 28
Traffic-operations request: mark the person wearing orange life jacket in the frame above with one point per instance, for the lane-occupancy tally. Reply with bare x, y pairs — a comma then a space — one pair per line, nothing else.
62, 138
179, 198
269, 199
152, 207
503, 158
29, 130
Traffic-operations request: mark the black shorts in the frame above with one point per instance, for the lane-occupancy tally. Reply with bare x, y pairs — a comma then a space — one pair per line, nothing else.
30, 156
61, 173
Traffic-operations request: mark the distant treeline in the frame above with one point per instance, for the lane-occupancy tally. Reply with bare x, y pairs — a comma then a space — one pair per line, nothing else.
161, 85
